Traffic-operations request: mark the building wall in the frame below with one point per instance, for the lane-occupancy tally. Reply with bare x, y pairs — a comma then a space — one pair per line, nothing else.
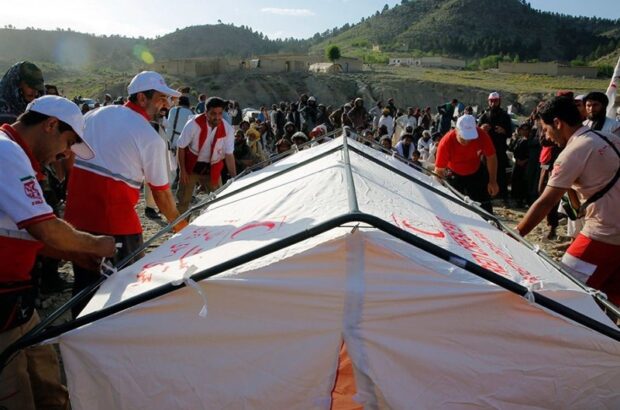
548, 68
266, 64
440, 62
530, 68
587, 72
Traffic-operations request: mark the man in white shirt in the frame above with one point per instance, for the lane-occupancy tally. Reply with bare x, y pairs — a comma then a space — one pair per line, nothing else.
596, 104
103, 192
44, 133
206, 143
176, 120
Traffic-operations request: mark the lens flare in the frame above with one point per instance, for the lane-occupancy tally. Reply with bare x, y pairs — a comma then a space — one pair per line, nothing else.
141, 52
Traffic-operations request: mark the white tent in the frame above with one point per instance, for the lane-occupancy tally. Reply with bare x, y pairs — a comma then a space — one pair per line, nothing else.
341, 243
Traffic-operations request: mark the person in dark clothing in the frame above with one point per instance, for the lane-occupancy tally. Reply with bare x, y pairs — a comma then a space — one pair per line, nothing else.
21, 84
548, 154
446, 111
293, 116
323, 117
532, 171
235, 113
498, 124
336, 117
279, 120
519, 147
392, 107
358, 114
309, 113
289, 130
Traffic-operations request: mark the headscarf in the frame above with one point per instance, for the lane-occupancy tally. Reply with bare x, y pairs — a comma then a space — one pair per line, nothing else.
12, 101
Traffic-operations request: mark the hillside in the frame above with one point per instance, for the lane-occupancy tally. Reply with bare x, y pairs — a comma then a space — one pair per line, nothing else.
476, 28
88, 52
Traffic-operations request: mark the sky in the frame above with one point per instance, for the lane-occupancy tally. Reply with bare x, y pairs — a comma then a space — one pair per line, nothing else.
274, 18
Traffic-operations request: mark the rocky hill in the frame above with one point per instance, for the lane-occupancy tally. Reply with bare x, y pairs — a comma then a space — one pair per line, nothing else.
477, 28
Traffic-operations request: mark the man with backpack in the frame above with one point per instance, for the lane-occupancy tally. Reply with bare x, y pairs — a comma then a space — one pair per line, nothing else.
589, 164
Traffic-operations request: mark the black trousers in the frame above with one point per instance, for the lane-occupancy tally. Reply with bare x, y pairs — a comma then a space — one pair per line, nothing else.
83, 278
474, 186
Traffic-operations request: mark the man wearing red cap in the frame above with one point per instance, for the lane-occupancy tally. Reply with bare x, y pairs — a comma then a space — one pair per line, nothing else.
46, 131
458, 160
103, 192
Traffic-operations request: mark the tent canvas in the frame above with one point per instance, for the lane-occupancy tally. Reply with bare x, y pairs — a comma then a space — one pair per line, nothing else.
296, 279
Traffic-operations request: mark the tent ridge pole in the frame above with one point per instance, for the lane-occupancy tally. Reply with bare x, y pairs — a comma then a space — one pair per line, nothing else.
351, 193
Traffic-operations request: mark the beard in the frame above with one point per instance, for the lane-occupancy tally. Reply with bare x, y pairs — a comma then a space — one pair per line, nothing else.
598, 120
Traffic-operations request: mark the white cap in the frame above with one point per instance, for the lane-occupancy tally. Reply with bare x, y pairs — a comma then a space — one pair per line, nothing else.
466, 127
67, 112
494, 96
150, 80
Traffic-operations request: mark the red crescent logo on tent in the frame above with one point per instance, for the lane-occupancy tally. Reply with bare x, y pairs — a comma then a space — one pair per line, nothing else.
268, 225
437, 234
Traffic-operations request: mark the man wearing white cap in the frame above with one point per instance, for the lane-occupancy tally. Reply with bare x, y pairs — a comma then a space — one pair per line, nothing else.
458, 160
102, 192
498, 124
45, 132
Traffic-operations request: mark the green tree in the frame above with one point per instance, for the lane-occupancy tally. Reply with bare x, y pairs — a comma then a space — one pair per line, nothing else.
332, 53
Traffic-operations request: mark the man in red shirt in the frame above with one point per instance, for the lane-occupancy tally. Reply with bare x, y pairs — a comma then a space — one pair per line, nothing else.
459, 161
44, 133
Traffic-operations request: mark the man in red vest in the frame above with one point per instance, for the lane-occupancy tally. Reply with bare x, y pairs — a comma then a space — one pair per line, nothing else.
44, 133
205, 145
103, 192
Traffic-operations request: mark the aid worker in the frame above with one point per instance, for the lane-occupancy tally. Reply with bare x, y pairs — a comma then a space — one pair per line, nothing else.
103, 192
459, 161
45, 132
589, 164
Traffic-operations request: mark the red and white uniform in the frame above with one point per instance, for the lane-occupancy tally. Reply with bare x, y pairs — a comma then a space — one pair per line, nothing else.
21, 204
103, 192
190, 137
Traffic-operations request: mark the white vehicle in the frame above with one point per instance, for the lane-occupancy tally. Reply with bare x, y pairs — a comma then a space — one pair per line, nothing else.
249, 113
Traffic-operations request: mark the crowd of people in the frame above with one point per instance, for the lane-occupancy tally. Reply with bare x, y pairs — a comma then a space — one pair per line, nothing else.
72, 176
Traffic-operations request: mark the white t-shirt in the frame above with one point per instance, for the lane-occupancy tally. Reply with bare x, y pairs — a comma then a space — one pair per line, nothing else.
190, 137
21, 196
172, 132
587, 164
127, 147
21, 205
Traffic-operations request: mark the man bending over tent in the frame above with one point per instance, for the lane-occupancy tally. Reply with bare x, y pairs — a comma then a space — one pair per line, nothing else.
589, 164
44, 133
103, 191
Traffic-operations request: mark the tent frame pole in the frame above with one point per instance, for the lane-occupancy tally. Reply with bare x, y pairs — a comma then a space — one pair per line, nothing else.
44, 330
47, 321
378, 223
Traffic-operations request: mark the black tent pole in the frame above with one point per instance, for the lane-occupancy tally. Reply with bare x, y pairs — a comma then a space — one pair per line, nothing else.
48, 320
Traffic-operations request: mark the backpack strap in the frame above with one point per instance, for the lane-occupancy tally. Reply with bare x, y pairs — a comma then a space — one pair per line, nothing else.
609, 185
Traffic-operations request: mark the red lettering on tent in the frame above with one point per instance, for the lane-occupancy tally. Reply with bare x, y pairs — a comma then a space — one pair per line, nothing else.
408, 225
525, 274
203, 232
480, 256
192, 252
148, 269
